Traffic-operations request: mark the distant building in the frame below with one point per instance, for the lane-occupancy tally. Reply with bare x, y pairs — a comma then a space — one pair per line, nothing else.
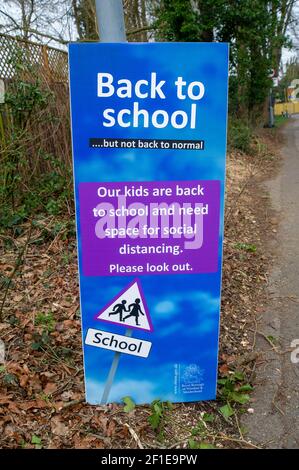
293, 93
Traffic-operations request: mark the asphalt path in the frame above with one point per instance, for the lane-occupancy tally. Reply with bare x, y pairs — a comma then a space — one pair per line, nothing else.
275, 401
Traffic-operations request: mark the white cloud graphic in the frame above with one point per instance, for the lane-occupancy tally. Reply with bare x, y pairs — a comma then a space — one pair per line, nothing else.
141, 391
166, 308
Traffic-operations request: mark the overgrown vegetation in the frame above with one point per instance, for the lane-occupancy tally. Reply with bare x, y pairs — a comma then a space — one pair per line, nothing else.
35, 171
256, 31
233, 395
239, 135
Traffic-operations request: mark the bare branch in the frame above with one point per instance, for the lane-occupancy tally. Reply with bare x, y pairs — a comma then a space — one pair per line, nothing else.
10, 18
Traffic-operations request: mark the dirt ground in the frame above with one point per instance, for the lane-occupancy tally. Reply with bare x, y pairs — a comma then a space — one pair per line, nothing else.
41, 381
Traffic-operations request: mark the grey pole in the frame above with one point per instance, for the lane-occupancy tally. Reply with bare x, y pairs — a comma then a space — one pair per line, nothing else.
271, 109
112, 372
110, 19
111, 24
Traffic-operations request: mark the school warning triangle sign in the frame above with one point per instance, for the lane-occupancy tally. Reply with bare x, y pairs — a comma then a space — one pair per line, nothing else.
128, 309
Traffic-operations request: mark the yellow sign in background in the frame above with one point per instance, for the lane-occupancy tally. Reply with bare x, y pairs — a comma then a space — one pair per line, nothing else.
291, 108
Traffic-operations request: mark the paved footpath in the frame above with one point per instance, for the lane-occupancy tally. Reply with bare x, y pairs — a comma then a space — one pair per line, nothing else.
275, 421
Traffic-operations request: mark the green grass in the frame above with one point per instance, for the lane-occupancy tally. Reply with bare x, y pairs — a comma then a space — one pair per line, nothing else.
279, 120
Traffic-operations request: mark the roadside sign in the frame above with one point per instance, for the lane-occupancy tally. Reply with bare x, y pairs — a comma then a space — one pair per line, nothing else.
149, 145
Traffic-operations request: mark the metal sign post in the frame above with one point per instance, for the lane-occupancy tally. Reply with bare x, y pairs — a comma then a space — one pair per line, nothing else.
111, 24
110, 19
112, 372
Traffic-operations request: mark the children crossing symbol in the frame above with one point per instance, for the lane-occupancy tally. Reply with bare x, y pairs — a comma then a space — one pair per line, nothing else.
128, 308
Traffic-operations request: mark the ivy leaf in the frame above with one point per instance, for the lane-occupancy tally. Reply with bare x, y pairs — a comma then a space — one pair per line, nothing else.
226, 411
208, 418
222, 381
199, 445
238, 376
192, 444
129, 404
241, 398
154, 420
245, 388
36, 441
206, 445
10, 379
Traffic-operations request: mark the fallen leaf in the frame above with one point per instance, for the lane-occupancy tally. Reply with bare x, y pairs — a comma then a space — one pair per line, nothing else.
23, 380
28, 405
50, 388
4, 399
13, 407
67, 395
58, 427
224, 369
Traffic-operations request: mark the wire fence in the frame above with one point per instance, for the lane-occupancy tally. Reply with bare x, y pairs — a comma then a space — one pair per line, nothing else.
49, 63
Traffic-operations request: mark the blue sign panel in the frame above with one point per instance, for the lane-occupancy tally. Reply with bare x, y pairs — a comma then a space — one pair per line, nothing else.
149, 145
